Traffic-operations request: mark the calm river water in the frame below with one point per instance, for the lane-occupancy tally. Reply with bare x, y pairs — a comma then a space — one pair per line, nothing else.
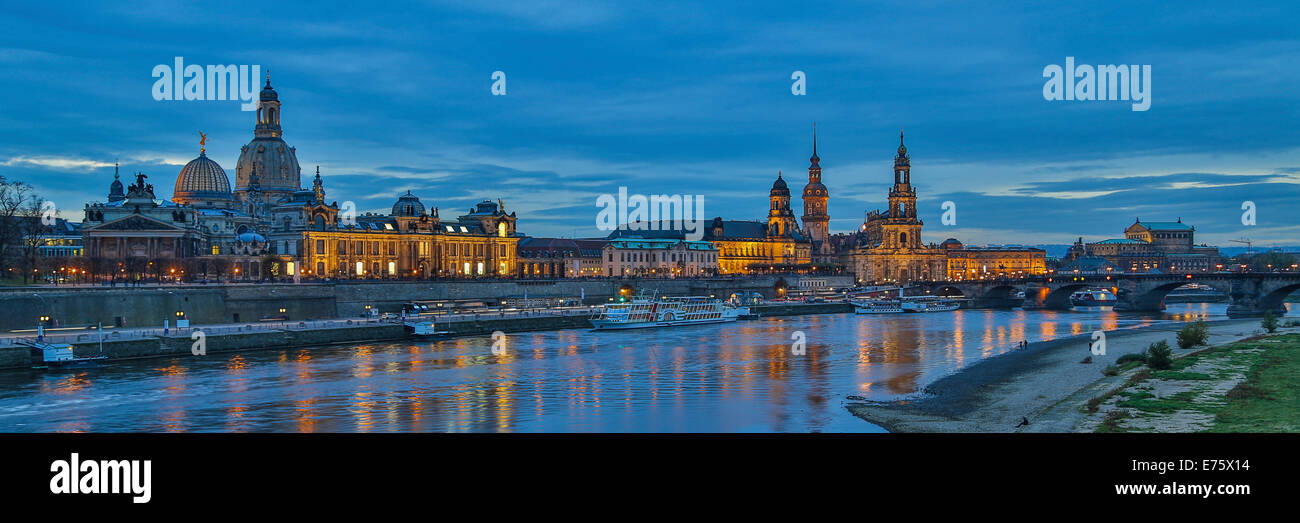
737, 377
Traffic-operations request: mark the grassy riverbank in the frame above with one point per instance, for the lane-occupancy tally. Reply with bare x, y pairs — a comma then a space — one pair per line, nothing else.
1247, 386
1050, 384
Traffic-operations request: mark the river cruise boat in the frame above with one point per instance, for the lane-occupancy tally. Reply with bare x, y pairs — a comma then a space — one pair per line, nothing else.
929, 304
877, 307
662, 311
1092, 298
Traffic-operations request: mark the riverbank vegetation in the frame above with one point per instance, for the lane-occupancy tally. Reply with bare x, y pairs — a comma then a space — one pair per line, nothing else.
1247, 386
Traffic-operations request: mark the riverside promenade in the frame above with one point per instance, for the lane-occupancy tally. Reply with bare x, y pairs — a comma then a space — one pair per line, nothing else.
143, 342
146, 342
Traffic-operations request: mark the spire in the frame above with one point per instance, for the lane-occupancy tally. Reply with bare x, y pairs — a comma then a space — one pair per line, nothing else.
115, 168
318, 188
268, 77
815, 160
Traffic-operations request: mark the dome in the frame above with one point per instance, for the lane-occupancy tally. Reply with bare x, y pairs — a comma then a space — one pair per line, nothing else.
276, 162
408, 205
951, 244
115, 190
250, 237
202, 178
779, 188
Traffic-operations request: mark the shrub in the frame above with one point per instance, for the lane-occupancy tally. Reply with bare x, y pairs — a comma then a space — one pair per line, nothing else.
1270, 322
1140, 357
1160, 356
1110, 370
1193, 334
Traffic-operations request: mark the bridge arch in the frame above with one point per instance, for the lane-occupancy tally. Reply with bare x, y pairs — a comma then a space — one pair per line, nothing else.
1001, 291
1273, 300
1150, 300
1059, 297
949, 291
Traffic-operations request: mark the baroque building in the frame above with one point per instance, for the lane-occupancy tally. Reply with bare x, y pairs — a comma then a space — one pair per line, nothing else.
1154, 247
268, 226
889, 247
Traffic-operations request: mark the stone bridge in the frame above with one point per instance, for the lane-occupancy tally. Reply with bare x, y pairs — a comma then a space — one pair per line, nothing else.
1249, 294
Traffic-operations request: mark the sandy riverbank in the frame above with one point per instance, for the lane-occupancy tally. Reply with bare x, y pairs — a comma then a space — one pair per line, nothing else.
1046, 383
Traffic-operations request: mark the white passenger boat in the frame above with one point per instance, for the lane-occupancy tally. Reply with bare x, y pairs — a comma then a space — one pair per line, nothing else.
651, 311
929, 304
877, 307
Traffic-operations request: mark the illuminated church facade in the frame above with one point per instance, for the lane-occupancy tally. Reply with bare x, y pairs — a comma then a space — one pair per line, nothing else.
268, 226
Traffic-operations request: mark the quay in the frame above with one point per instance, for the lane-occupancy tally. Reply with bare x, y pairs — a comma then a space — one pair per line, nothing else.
155, 342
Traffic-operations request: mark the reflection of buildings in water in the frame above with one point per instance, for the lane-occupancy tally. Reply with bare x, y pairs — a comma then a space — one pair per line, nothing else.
304, 413
362, 406
236, 385
904, 383
900, 347
236, 364
1047, 330
69, 384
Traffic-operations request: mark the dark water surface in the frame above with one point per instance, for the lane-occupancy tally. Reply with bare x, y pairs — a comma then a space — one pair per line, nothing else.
737, 377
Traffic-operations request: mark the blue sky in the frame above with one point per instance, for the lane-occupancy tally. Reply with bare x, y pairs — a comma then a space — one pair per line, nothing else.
688, 99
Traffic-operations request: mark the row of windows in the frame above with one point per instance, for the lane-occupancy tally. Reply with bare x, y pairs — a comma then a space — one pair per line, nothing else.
653, 257
390, 248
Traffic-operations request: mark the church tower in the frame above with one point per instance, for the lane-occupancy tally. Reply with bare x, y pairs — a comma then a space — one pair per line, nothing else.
816, 222
780, 219
902, 230
275, 161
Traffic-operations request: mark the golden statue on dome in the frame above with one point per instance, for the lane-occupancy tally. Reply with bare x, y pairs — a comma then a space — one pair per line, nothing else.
203, 141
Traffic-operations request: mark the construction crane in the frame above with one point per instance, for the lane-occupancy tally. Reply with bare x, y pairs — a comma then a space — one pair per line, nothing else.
1248, 243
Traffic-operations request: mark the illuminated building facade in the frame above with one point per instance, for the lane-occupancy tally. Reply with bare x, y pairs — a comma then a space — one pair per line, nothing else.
972, 263
663, 258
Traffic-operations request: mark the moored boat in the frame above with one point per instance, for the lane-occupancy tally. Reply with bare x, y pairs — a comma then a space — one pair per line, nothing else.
929, 304
877, 307
1092, 298
651, 311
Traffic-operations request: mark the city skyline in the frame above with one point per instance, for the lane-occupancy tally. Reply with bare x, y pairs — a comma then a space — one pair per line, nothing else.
714, 117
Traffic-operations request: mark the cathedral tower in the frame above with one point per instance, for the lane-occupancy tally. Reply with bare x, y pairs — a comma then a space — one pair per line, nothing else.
780, 219
902, 230
816, 221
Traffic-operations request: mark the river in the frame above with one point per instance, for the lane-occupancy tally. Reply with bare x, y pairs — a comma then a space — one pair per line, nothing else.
746, 376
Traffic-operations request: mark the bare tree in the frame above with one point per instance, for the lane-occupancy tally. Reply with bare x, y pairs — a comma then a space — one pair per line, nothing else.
16, 199
33, 232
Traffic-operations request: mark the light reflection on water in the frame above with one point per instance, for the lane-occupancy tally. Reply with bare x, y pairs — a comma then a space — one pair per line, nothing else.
737, 377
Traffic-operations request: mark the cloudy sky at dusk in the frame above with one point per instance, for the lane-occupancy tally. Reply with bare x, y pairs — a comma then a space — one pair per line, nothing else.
687, 99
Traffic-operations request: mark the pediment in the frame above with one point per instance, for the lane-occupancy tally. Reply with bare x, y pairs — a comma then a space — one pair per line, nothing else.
136, 222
